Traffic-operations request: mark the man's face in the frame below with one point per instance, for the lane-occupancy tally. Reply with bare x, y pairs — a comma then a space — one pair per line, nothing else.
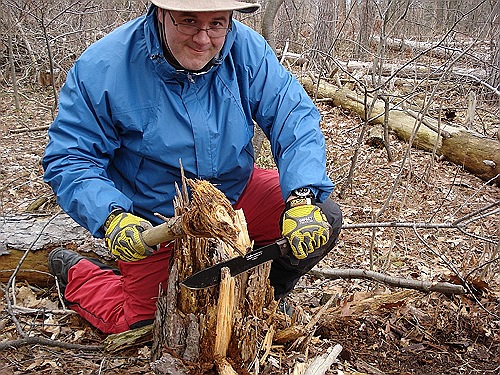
193, 52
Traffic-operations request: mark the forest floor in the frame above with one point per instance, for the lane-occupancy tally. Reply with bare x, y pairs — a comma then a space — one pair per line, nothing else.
382, 329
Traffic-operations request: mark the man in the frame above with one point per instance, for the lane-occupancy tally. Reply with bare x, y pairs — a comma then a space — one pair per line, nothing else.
184, 82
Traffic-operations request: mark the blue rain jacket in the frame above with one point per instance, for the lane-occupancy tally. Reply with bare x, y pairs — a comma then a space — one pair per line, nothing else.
127, 118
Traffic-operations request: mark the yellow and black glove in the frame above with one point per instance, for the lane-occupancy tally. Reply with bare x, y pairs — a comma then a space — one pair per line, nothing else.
305, 226
123, 236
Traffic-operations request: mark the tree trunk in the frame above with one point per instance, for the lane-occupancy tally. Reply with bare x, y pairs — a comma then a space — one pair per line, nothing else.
270, 12
495, 45
477, 154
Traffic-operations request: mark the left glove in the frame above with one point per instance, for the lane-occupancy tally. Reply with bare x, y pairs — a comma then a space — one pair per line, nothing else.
123, 236
305, 226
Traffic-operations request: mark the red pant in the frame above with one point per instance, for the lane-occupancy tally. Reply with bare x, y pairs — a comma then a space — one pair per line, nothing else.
114, 301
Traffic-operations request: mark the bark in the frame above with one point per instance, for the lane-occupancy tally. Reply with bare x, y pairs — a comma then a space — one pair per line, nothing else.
40, 234
477, 154
214, 327
270, 12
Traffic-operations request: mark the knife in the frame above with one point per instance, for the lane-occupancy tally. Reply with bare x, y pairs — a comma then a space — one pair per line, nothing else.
210, 276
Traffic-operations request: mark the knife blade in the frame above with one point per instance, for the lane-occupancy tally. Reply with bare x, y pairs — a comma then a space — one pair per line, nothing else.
210, 276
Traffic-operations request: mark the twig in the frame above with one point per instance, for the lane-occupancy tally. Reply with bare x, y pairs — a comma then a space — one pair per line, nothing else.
28, 310
357, 148
485, 264
426, 122
481, 82
421, 285
395, 224
477, 237
469, 287
477, 212
26, 130
42, 341
475, 194
386, 130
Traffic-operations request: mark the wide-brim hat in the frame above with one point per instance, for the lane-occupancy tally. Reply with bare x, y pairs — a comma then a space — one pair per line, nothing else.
206, 5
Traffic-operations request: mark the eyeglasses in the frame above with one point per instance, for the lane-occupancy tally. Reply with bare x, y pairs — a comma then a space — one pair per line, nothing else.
212, 32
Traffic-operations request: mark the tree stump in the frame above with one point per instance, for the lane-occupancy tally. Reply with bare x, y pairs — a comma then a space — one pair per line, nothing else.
218, 328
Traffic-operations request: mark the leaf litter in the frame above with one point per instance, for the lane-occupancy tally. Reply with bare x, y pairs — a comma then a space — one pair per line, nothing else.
382, 330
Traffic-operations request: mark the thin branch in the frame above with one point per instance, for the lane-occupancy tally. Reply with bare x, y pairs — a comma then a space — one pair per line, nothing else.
30, 311
486, 183
421, 285
43, 341
470, 288
482, 266
477, 212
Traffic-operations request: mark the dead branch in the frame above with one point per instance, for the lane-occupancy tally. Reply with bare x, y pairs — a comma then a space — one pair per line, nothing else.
31, 311
27, 130
322, 363
424, 286
134, 337
42, 341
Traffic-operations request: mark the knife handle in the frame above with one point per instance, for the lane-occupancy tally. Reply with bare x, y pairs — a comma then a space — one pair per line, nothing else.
284, 246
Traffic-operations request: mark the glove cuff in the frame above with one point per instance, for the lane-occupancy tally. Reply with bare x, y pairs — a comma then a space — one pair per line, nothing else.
299, 201
112, 215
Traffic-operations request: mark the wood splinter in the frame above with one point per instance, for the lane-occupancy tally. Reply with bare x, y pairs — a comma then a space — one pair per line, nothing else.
224, 314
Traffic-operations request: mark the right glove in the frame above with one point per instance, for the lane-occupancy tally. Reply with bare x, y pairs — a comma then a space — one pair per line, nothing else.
305, 226
123, 236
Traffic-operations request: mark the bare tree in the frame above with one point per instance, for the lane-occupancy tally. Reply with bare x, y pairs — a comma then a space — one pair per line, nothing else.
495, 42
271, 9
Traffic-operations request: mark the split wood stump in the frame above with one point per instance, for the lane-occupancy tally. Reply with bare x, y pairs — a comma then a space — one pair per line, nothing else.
222, 327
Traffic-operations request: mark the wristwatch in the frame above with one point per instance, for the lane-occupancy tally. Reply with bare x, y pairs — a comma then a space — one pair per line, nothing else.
300, 197
303, 192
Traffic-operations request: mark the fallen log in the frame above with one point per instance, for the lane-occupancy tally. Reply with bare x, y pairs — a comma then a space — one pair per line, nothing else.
413, 71
477, 154
39, 234
434, 49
